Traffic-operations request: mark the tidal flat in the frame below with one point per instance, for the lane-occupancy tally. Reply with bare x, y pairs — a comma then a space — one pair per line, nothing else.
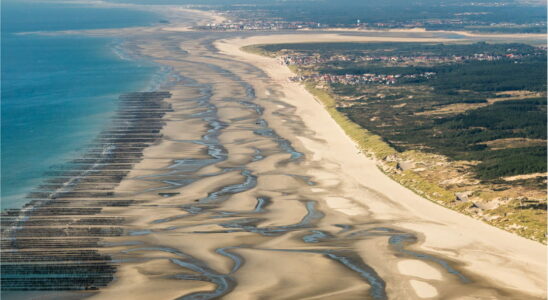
237, 184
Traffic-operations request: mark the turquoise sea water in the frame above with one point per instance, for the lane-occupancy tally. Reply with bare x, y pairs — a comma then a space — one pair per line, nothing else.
58, 92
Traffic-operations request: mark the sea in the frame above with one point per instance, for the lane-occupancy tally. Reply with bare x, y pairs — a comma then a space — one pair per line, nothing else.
59, 91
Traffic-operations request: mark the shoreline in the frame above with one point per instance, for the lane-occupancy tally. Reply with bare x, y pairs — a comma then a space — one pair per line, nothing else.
373, 146
287, 168
469, 231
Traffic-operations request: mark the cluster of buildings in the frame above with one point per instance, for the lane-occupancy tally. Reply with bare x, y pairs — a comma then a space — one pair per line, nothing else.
303, 59
274, 25
259, 25
351, 79
416, 24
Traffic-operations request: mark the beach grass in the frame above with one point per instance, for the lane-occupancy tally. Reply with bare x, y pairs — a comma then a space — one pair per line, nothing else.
530, 224
258, 49
367, 142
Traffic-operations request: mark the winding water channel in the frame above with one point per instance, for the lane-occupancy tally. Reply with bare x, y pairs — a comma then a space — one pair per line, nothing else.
217, 197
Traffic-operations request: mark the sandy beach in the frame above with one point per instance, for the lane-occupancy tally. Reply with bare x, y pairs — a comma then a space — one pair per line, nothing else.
472, 241
252, 191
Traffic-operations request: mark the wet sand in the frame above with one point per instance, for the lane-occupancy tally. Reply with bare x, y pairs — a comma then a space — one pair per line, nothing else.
440, 228
252, 191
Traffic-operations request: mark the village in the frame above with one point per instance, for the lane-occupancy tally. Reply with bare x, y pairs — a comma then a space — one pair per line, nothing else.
306, 59
386, 79
261, 20
270, 24
259, 25
351, 79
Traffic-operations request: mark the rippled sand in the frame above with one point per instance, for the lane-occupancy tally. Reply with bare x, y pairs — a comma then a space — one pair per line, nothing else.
254, 192
247, 189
